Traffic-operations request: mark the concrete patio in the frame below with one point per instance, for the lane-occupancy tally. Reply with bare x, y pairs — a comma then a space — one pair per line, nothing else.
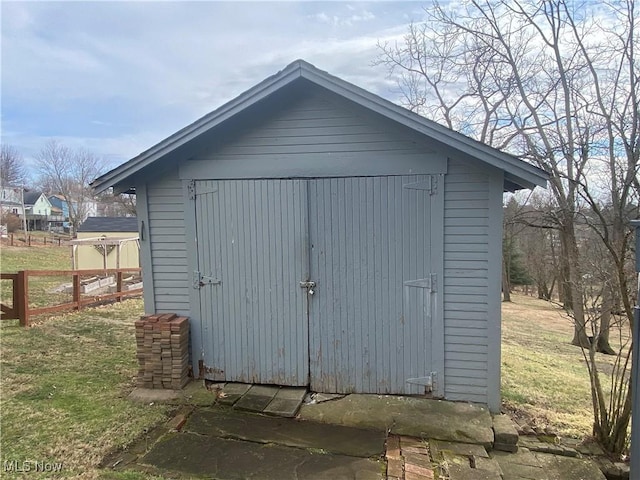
231, 432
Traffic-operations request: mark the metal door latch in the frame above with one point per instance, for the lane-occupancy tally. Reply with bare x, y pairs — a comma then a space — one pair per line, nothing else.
200, 280
309, 286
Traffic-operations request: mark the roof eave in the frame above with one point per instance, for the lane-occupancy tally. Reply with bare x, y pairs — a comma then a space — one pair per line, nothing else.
524, 174
209, 121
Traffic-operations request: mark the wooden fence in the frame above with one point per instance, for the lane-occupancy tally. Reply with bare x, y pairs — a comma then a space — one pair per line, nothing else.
21, 310
30, 240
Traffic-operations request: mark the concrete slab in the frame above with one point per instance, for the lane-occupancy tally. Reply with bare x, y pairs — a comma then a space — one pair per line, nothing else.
522, 457
488, 464
464, 467
545, 466
151, 395
465, 472
438, 447
232, 392
562, 468
225, 459
195, 393
286, 402
416, 417
257, 398
514, 471
318, 397
227, 423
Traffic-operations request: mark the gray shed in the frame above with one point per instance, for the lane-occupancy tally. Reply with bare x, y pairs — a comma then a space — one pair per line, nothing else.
317, 234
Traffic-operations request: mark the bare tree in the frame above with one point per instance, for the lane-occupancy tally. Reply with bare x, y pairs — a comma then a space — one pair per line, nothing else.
12, 169
68, 172
541, 245
511, 231
117, 205
557, 87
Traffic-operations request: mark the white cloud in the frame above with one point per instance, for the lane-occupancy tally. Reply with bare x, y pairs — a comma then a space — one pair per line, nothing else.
117, 77
346, 17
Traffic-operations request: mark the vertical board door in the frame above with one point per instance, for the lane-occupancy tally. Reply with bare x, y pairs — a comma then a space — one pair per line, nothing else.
372, 309
252, 254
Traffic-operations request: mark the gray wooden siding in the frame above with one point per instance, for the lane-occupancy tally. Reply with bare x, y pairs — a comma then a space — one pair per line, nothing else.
166, 233
468, 221
317, 136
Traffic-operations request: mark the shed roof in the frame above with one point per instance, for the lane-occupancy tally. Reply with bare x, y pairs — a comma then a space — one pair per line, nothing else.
109, 224
518, 174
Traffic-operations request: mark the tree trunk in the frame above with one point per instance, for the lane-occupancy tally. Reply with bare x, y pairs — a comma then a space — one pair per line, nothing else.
605, 323
572, 263
506, 285
543, 291
553, 284
564, 286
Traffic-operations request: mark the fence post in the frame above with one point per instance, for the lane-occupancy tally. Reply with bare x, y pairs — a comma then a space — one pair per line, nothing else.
58, 241
17, 298
634, 450
12, 239
119, 285
23, 298
76, 290
29, 240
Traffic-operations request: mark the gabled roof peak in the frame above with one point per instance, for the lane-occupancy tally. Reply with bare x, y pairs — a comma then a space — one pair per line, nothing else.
518, 174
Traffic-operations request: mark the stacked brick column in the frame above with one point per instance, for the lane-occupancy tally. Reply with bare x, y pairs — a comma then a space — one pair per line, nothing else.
163, 351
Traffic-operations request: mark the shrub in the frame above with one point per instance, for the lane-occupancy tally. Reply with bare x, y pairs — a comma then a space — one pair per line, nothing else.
12, 221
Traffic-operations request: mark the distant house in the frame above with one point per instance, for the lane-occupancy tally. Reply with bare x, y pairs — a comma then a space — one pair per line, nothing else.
11, 200
89, 207
38, 212
59, 202
106, 242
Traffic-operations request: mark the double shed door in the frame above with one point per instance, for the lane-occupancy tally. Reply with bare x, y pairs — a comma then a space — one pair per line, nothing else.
323, 282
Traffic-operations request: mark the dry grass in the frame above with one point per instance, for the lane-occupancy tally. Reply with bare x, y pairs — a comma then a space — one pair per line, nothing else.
38, 257
544, 377
41, 292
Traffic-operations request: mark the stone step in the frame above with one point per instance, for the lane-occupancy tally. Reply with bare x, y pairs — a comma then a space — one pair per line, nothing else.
505, 434
269, 399
211, 457
224, 422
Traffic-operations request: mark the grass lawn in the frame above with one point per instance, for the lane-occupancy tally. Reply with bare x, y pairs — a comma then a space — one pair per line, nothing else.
13, 259
64, 388
544, 377
41, 289
64, 381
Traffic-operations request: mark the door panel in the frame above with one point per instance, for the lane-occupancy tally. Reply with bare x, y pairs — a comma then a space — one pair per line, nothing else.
364, 241
252, 237
370, 317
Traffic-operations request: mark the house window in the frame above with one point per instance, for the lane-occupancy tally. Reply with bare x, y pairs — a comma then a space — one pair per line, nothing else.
15, 211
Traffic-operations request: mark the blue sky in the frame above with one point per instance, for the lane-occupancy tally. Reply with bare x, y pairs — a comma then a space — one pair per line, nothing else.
118, 77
